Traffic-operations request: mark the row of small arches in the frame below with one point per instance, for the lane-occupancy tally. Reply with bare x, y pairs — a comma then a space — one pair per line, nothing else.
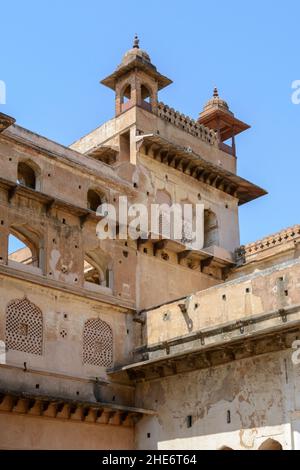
29, 175
27, 247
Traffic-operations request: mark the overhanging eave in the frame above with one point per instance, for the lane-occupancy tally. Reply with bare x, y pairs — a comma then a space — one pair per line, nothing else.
192, 164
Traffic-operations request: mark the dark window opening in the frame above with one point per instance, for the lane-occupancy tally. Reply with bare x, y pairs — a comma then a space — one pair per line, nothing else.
26, 175
93, 200
189, 421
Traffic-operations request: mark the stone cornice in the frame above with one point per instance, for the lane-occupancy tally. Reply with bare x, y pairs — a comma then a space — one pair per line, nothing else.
192, 164
71, 410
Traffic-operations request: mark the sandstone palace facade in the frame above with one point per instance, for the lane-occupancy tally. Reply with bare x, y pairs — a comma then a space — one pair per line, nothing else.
142, 344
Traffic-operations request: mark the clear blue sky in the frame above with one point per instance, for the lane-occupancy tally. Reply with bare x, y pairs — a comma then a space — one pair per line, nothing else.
53, 54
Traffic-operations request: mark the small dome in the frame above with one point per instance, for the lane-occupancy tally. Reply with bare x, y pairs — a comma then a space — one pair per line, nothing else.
135, 52
216, 102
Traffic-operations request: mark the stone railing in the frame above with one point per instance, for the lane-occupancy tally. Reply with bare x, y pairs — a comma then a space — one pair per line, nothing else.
186, 124
247, 251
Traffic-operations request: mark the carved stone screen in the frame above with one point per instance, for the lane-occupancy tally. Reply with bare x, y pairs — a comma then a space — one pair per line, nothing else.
24, 327
97, 343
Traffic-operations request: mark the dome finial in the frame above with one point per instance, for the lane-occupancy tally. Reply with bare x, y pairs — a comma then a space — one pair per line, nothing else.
216, 93
136, 42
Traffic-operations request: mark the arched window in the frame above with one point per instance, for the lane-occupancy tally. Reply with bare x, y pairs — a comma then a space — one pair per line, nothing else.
94, 200
146, 97
211, 230
97, 343
27, 175
126, 98
126, 95
19, 252
270, 444
95, 275
145, 94
24, 327
98, 268
25, 246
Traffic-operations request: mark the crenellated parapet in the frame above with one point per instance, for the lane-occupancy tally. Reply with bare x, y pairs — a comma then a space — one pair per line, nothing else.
187, 124
290, 234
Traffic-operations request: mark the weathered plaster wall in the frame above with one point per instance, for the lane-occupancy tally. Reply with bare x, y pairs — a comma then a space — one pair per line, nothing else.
259, 393
261, 292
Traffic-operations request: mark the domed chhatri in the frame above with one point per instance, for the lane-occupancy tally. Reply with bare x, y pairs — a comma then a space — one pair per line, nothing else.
136, 59
217, 116
136, 81
131, 54
216, 102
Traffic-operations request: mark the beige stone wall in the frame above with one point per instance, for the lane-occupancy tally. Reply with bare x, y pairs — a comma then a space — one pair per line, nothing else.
239, 404
24, 433
150, 123
59, 369
183, 189
261, 292
159, 281
259, 396
65, 240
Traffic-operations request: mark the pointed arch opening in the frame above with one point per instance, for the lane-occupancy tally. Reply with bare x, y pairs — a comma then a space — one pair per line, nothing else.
94, 199
20, 252
126, 97
146, 97
25, 248
98, 270
94, 274
28, 175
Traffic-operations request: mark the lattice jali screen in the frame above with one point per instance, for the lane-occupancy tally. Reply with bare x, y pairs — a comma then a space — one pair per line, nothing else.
24, 327
97, 343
